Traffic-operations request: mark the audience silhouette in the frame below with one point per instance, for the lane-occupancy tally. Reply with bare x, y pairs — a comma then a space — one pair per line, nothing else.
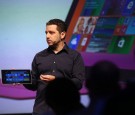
63, 97
106, 95
123, 103
102, 84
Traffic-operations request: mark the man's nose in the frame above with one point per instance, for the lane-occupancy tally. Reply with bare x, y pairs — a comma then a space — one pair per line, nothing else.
47, 35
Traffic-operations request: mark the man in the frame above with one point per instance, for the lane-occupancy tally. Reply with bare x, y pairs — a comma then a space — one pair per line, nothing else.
57, 61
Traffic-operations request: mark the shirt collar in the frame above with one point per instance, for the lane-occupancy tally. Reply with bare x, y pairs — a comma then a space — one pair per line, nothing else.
65, 48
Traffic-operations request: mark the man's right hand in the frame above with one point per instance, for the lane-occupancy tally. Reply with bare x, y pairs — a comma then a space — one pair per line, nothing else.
47, 77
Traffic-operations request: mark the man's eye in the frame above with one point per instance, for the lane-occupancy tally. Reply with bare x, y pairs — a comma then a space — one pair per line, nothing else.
51, 32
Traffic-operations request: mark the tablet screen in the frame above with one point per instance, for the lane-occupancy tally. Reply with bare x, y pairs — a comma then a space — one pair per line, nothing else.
16, 76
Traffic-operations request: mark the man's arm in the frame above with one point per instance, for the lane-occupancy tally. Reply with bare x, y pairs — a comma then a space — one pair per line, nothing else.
78, 71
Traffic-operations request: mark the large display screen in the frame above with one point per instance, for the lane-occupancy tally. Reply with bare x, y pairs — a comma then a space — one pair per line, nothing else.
104, 29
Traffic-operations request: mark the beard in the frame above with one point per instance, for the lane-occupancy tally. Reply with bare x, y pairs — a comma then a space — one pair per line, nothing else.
55, 44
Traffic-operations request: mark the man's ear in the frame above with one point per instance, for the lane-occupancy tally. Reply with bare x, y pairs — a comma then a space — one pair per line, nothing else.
63, 35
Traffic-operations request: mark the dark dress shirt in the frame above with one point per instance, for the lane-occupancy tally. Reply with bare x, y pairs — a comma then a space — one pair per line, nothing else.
66, 63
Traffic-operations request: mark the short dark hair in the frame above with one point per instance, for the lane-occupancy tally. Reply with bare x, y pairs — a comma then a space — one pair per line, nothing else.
61, 25
103, 78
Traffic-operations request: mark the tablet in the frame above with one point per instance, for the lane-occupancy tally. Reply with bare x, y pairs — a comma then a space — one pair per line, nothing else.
16, 76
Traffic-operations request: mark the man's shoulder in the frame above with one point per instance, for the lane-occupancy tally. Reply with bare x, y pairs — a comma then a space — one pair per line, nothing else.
41, 52
72, 51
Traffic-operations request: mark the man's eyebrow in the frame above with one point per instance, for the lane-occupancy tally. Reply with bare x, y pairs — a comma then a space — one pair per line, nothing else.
49, 31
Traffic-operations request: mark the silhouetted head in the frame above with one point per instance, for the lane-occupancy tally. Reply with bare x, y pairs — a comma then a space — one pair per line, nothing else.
103, 79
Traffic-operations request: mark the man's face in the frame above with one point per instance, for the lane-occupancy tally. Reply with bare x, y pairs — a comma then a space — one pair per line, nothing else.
53, 37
